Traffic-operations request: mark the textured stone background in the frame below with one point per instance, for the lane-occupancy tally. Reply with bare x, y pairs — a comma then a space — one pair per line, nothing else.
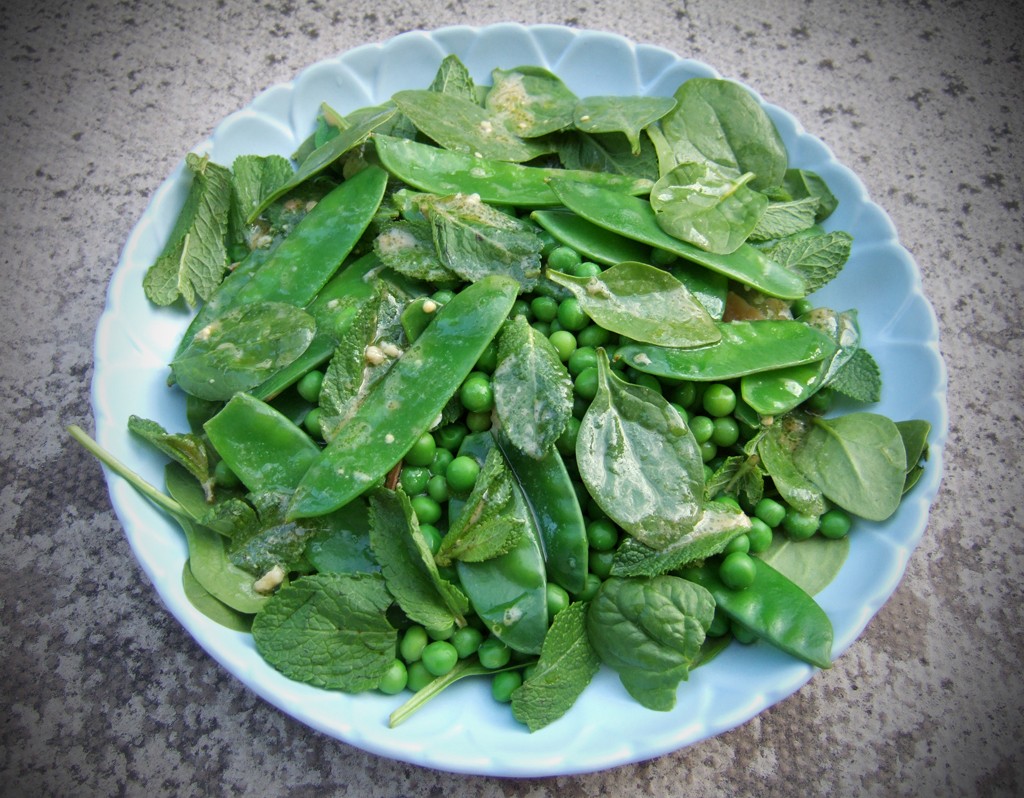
103, 694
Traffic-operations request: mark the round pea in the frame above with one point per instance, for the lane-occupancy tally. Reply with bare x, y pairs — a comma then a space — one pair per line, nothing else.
647, 381
819, 402
708, 451
587, 269
586, 383
759, 535
719, 625
443, 296
738, 543
737, 570
801, 306
432, 535
719, 400
439, 657
505, 683
413, 641
451, 436
726, 431
394, 679
558, 599
566, 442
600, 563
591, 584
583, 357
466, 641
422, 452
544, 308
835, 524
461, 473
489, 359
413, 479
520, 308
437, 488
309, 386
799, 526
702, 428
685, 394
312, 423
442, 457
770, 511
476, 393
594, 336
602, 534
427, 510
564, 343
478, 422
564, 259
493, 653
741, 634
418, 676
226, 478
571, 315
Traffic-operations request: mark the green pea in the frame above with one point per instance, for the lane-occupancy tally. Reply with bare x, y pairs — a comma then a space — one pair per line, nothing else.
662, 257
437, 488
493, 653
427, 510
799, 526
451, 436
312, 423
801, 306
566, 443
544, 308
422, 451
647, 381
708, 451
719, 399
466, 641
602, 534
461, 473
226, 478
741, 634
442, 457
476, 394
489, 359
413, 641
571, 315
702, 428
737, 570
558, 599
819, 402
738, 543
594, 336
443, 296
394, 679
684, 393
600, 563
520, 308
835, 524
564, 343
585, 384
413, 479
770, 511
478, 422
432, 535
583, 357
439, 657
418, 676
587, 269
543, 327
590, 587
759, 535
564, 259
726, 431
505, 683
719, 625
309, 386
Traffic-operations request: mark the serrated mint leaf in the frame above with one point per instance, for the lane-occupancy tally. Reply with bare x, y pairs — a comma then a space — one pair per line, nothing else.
271, 541
859, 378
407, 246
195, 258
783, 219
567, 664
254, 178
737, 476
492, 520
187, 449
532, 389
408, 566
329, 630
453, 78
803, 183
818, 259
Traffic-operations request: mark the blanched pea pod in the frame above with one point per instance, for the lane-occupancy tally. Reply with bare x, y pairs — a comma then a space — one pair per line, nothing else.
775, 609
746, 347
593, 242
407, 400
444, 172
633, 218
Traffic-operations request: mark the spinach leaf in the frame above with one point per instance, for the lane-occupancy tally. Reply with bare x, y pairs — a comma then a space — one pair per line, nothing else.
329, 630
271, 541
812, 564
857, 460
720, 121
628, 115
775, 448
639, 461
188, 449
254, 178
532, 389
649, 631
242, 348
193, 262
408, 565
644, 303
210, 606
800, 183
530, 101
609, 153
706, 206
915, 441
342, 545
567, 664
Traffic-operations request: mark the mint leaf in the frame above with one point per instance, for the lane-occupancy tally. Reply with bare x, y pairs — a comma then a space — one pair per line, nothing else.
453, 78
783, 219
329, 630
737, 476
254, 178
532, 389
407, 246
187, 449
818, 259
859, 378
408, 566
803, 183
491, 522
567, 664
271, 541
530, 101
195, 258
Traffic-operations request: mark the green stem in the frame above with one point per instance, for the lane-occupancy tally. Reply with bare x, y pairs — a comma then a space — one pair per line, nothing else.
158, 498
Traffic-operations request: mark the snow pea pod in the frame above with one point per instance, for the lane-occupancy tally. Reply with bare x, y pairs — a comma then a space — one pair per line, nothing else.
775, 609
404, 403
440, 171
552, 501
746, 347
593, 242
265, 450
508, 592
634, 218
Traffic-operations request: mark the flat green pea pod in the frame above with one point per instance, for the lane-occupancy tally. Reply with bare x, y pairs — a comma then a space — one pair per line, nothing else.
509, 592
775, 609
591, 241
556, 511
265, 450
634, 218
407, 400
444, 172
746, 347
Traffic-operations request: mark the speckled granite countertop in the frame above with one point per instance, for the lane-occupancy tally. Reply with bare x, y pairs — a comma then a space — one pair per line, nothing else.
104, 694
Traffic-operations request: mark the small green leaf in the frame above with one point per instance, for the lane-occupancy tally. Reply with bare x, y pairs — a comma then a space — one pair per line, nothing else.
738, 476
783, 219
453, 78
530, 101
818, 259
187, 449
812, 564
407, 246
254, 178
775, 448
532, 389
210, 606
859, 378
567, 664
329, 630
803, 183
644, 303
628, 115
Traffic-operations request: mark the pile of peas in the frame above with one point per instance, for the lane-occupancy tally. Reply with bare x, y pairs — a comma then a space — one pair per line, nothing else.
433, 472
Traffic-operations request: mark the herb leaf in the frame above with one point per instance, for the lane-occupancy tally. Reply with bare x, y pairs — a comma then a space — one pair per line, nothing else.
329, 630
859, 378
628, 115
818, 259
567, 664
532, 389
187, 449
530, 101
783, 219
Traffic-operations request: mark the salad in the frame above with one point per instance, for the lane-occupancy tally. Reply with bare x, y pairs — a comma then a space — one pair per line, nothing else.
503, 381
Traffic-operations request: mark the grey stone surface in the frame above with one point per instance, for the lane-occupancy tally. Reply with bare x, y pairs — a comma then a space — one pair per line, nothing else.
103, 694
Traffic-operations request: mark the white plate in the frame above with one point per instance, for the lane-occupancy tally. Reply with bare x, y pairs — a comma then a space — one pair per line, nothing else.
464, 730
